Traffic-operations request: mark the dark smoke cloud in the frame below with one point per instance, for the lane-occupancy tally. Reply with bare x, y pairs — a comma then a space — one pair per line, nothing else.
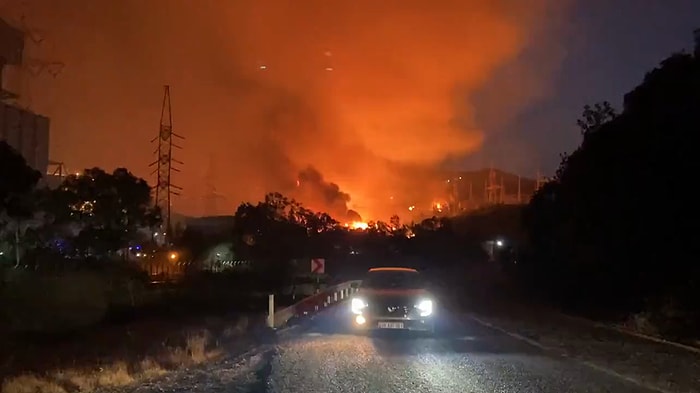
321, 194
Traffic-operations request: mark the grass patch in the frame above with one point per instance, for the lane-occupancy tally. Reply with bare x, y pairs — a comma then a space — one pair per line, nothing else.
188, 348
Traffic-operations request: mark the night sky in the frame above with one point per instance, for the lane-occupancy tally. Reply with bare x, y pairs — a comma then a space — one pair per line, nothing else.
610, 47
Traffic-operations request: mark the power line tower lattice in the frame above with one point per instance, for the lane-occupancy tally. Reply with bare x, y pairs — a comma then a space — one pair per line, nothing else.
493, 189
165, 166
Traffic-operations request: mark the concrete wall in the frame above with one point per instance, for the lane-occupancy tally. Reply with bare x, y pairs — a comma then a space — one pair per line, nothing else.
28, 133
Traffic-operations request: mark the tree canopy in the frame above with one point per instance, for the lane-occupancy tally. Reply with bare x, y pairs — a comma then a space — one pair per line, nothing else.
279, 227
105, 209
17, 181
613, 228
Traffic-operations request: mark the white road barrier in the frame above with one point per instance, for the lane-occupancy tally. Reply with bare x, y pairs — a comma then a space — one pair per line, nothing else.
312, 304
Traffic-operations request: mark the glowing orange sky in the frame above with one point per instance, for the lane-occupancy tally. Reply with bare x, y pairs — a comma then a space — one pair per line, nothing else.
397, 101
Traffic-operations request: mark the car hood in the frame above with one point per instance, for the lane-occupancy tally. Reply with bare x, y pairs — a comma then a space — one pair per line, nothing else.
392, 293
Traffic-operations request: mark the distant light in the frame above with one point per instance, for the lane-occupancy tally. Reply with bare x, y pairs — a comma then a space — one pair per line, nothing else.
77, 173
411, 208
263, 67
329, 68
328, 53
499, 243
460, 178
155, 234
173, 256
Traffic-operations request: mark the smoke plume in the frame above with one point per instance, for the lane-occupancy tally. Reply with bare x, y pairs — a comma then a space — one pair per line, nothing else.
372, 94
321, 194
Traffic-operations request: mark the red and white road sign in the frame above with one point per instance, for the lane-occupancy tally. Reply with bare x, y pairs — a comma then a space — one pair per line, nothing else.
318, 266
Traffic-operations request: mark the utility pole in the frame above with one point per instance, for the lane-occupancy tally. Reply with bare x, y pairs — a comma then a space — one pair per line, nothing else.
164, 165
502, 193
455, 203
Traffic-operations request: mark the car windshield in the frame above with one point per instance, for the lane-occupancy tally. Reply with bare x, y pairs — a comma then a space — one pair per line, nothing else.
393, 279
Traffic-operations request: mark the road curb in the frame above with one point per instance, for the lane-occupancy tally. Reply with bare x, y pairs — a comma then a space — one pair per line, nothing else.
565, 354
288, 330
632, 333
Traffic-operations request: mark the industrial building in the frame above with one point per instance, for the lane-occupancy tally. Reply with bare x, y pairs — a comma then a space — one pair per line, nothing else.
21, 128
28, 133
471, 190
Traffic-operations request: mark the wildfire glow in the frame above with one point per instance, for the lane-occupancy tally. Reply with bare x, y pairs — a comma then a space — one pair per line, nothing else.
357, 225
375, 95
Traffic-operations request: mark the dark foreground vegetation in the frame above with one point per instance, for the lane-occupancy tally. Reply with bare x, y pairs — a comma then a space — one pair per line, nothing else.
615, 232
79, 308
613, 235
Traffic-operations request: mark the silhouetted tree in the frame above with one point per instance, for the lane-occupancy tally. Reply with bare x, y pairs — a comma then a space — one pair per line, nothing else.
17, 183
274, 229
395, 222
104, 209
595, 116
613, 229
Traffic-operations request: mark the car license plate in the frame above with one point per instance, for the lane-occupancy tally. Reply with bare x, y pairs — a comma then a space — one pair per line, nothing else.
391, 325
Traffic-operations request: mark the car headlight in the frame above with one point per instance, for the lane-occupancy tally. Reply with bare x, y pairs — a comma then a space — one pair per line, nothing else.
425, 307
357, 305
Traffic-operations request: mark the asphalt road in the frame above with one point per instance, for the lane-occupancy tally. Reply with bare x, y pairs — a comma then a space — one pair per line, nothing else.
464, 356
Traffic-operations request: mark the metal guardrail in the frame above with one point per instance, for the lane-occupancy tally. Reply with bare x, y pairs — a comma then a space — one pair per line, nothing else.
309, 305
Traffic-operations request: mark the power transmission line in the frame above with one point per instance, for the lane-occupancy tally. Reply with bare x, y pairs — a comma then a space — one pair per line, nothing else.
165, 167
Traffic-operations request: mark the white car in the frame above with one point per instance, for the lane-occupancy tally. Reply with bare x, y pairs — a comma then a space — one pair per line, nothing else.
393, 298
